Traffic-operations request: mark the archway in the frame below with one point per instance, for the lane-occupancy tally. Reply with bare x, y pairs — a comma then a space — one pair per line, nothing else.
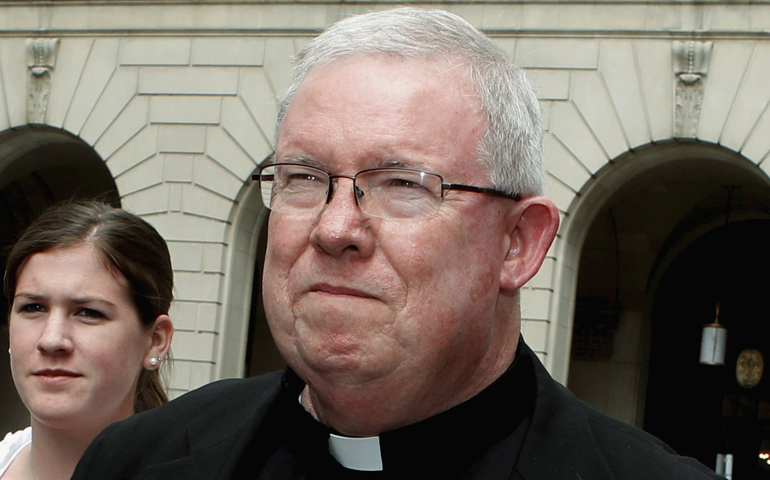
701, 410
635, 219
246, 345
39, 166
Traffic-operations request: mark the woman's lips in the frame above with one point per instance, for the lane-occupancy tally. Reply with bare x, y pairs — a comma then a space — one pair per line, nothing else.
55, 376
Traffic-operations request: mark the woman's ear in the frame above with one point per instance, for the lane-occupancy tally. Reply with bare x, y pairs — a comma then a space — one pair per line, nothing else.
533, 227
162, 332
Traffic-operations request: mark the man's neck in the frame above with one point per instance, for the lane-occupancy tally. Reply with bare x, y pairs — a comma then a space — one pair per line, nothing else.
368, 410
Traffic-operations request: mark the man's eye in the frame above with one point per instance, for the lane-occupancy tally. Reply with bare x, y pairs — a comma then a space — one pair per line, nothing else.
403, 182
302, 177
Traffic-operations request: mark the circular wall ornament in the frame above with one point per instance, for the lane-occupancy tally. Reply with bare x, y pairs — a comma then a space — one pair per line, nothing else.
749, 368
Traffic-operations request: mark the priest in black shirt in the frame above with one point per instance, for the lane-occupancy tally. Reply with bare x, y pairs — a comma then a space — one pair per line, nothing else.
406, 214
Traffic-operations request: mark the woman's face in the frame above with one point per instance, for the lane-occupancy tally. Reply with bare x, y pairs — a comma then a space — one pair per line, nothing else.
77, 344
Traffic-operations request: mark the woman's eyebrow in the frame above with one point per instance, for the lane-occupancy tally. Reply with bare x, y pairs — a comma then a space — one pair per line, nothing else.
84, 300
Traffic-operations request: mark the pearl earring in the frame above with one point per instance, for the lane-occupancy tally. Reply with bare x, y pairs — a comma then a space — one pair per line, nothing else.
153, 361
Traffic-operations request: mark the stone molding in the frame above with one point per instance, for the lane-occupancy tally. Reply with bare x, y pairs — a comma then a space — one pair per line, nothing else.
41, 60
691, 62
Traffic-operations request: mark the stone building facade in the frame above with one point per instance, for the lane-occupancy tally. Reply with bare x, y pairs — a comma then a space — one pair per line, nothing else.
652, 108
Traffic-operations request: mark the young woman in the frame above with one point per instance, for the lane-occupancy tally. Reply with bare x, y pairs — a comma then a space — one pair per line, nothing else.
90, 288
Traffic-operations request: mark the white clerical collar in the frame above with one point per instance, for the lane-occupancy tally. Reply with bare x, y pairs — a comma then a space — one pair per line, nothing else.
356, 453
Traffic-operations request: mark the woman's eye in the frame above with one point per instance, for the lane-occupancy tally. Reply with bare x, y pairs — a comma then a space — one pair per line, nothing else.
32, 308
90, 313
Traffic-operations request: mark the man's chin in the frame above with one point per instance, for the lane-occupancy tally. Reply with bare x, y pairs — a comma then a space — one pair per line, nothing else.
340, 365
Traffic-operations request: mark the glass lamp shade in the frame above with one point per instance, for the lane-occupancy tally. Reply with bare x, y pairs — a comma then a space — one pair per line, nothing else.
713, 344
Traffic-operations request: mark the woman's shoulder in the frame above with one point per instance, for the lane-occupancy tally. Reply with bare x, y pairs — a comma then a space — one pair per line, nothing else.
11, 445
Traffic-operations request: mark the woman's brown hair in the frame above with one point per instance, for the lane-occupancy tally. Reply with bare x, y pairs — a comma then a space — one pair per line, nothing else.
129, 244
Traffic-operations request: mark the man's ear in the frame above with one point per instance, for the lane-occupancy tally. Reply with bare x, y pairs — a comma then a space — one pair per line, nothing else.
534, 223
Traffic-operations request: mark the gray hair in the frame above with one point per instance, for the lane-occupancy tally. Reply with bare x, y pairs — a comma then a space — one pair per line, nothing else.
512, 146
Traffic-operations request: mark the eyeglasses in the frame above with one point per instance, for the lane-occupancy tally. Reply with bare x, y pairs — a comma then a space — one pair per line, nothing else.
295, 188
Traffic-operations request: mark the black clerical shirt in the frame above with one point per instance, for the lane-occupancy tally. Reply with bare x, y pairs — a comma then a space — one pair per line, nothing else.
479, 438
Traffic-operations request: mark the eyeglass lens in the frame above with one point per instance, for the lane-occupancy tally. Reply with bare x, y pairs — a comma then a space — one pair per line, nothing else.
385, 192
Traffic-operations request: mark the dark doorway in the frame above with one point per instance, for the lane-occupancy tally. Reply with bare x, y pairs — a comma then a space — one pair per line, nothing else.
262, 355
701, 410
39, 166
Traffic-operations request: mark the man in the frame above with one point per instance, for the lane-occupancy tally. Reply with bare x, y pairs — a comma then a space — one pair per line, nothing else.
405, 216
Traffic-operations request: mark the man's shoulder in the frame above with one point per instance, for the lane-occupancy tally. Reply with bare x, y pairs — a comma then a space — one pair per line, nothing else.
599, 445
631, 450
201, 424
219, 400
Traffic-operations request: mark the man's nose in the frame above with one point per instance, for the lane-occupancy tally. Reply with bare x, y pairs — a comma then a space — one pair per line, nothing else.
341, 226
56, 337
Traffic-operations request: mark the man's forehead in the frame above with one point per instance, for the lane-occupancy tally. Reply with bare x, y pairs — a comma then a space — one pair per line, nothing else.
453, 71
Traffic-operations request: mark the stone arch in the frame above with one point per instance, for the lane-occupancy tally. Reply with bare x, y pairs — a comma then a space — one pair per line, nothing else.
707, 162
695, 174
249, 219
39, 165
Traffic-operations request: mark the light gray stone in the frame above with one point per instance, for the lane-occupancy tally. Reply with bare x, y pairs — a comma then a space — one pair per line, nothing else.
201, 287
188, 228
278, 57
729, 61
573, 132
656, 82
751, 101
757, 146
561, 164
535, 303
131, 121
535, 332
202, 373
561, 194
223, 149
99, 68
589, 93
544, 277
618, 68
557, 53
208, 313
194, 346
4, 120
240, 125
137, 149
175, 197
550, 84
188, 80
182, 313
202, 202
148, 201
145, 174
185, 109
182, 139
232, 51
117, 94
212, 176
13, 69
260, 100
73, 53
155, 51
178, 168
186, 257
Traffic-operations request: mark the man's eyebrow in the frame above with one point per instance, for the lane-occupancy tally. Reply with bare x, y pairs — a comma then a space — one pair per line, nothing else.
301, 159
